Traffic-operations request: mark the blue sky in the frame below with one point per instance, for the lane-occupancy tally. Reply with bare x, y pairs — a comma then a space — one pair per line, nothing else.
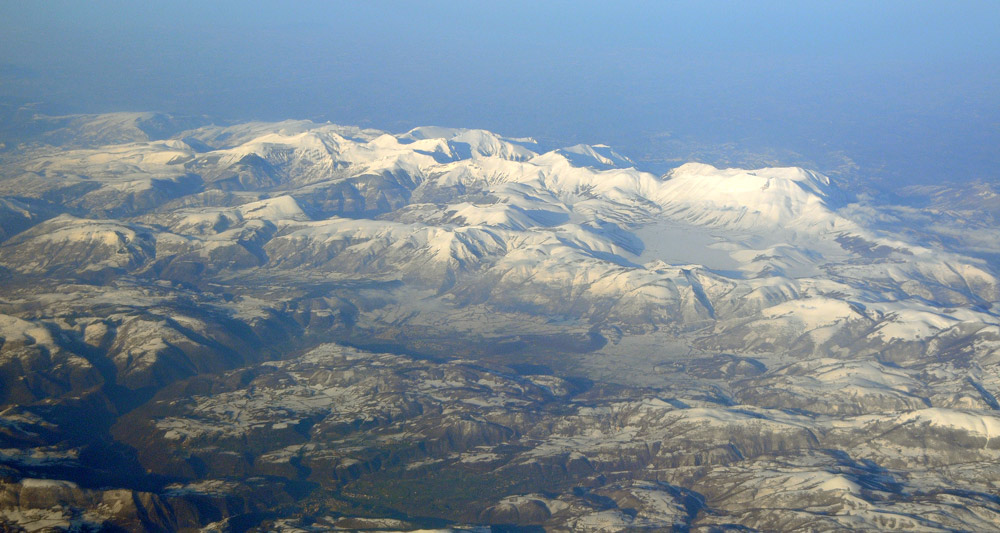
909, 90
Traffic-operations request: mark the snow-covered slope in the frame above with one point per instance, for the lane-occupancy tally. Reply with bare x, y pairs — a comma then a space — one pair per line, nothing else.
752, 200
776, 234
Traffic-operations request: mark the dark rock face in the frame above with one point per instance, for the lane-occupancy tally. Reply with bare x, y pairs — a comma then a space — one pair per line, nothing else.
57, 505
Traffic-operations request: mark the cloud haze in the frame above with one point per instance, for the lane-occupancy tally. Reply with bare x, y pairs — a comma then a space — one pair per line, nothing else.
906, 89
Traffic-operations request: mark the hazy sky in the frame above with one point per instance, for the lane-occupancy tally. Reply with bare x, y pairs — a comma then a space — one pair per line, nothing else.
907, 89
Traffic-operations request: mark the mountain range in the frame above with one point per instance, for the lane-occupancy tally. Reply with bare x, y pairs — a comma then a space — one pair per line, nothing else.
297, 326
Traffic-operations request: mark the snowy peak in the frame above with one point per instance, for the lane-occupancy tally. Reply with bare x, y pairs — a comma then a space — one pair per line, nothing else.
66, 243
89, 131
225, 137
599, 156
474, 143
747, 199
274, 209
278, 148
772, 181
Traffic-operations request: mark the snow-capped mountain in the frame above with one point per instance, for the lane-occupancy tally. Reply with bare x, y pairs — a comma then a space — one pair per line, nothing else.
707, 348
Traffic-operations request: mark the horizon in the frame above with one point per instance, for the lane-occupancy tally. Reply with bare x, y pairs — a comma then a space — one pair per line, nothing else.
901, 93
